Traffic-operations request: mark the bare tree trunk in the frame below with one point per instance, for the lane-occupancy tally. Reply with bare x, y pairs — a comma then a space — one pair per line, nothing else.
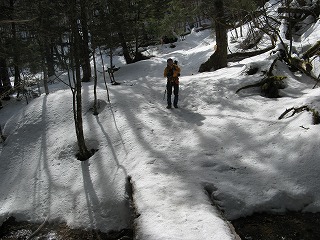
104, 74
49, 57
44, 64
95, 104
125, 48
4, 75
16, 58
85, 53
45, 77
84, 153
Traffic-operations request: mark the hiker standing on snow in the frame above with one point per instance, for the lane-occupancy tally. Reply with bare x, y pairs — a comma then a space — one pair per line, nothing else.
172, 73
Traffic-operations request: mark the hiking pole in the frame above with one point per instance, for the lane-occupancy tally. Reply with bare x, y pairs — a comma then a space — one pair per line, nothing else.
164, 95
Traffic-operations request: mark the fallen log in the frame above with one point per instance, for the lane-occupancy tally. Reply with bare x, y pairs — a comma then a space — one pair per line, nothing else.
238, 56
313, 10
314, 50
269, 86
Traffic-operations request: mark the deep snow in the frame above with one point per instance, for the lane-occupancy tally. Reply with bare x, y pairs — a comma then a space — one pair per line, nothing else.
219, 143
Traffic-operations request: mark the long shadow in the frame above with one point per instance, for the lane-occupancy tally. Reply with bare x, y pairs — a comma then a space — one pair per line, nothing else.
108, 180
42, 174
113, 151
221, 158
93, 203
40, 195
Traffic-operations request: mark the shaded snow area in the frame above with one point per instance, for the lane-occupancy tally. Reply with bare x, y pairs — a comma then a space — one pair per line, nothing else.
218, 153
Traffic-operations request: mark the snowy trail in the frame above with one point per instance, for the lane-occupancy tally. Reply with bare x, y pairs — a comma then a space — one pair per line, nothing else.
218, 140
174, 204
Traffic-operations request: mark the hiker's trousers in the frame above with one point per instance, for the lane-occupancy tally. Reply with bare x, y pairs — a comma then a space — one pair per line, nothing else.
175, 87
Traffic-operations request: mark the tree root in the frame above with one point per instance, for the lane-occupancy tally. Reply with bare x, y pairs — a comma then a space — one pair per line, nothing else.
315, 113
38, 229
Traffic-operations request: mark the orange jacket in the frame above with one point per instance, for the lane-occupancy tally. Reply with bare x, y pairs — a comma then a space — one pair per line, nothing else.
172, 73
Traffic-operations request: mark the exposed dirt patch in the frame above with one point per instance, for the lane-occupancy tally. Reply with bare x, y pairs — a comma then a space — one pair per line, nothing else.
264, 226
12, 230
289, 226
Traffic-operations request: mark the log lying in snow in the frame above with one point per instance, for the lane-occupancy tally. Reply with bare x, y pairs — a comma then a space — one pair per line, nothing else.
269, 86
234, 57
314, 50
313, 10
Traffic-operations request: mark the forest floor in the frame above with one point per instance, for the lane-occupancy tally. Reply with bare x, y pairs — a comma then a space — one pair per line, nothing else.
289, 226
13, 230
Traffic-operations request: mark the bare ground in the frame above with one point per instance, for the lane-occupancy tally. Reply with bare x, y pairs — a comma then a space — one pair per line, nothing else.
288, 226
262, 226
13, 230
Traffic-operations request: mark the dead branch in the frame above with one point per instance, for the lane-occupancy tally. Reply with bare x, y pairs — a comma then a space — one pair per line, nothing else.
315, 113
9, 21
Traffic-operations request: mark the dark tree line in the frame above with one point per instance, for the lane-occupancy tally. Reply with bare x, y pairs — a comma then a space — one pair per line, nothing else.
48, 36
35, 34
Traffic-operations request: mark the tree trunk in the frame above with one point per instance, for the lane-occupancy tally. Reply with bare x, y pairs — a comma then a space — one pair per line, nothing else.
16, 57
44, 63
84, 153
221, 37
125, 48
49, 59
95, 104
45, 77
104, 74
219, 58
4, 76
85, 52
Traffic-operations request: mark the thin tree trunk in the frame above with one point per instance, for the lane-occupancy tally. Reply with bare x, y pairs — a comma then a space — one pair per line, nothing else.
17, 78
85, 53
45, 77
4, 75
95, 104
49, 58
84, 153
44, 64
104, 74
